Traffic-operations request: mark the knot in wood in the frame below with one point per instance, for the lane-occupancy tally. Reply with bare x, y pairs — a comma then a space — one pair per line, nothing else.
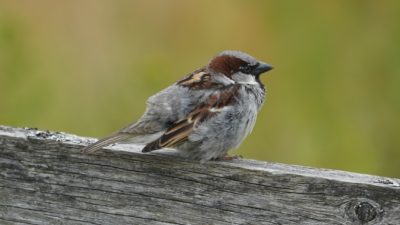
366, 212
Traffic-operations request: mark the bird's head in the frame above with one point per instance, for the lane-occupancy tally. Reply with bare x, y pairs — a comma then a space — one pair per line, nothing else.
239, 66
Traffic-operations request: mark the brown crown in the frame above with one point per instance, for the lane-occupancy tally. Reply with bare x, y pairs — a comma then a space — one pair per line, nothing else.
226, 64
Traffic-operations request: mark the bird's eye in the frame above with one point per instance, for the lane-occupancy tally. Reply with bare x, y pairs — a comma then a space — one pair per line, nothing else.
245, 69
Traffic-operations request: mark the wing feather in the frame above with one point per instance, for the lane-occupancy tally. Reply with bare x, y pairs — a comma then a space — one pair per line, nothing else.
180, 130
200, 79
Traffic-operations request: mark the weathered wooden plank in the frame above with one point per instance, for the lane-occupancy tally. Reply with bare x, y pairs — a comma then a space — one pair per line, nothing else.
45, 180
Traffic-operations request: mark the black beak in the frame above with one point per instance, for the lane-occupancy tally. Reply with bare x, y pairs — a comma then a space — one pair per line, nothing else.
262, 68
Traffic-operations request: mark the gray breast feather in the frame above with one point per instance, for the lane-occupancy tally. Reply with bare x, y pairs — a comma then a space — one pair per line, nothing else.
226, 130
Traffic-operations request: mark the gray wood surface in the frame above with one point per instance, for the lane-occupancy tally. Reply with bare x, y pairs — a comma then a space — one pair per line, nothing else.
44, 179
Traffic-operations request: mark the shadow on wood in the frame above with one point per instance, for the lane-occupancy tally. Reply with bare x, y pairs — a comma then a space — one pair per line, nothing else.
44, 179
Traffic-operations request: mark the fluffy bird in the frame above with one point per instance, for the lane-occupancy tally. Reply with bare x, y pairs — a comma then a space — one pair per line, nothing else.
203, 115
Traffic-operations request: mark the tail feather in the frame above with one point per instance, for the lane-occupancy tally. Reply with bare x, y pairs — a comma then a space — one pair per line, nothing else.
118, 137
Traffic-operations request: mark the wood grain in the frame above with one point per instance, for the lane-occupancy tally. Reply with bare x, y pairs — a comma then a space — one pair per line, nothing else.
44, 179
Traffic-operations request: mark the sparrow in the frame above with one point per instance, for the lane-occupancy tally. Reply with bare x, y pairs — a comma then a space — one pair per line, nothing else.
203, 115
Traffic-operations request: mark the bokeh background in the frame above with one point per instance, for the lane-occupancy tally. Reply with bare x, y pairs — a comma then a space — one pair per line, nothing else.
87, 67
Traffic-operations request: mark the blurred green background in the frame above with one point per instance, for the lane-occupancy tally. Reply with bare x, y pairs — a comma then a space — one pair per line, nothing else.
87, 67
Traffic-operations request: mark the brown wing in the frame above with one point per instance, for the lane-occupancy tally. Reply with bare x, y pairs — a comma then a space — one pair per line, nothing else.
199, 79
180, 130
